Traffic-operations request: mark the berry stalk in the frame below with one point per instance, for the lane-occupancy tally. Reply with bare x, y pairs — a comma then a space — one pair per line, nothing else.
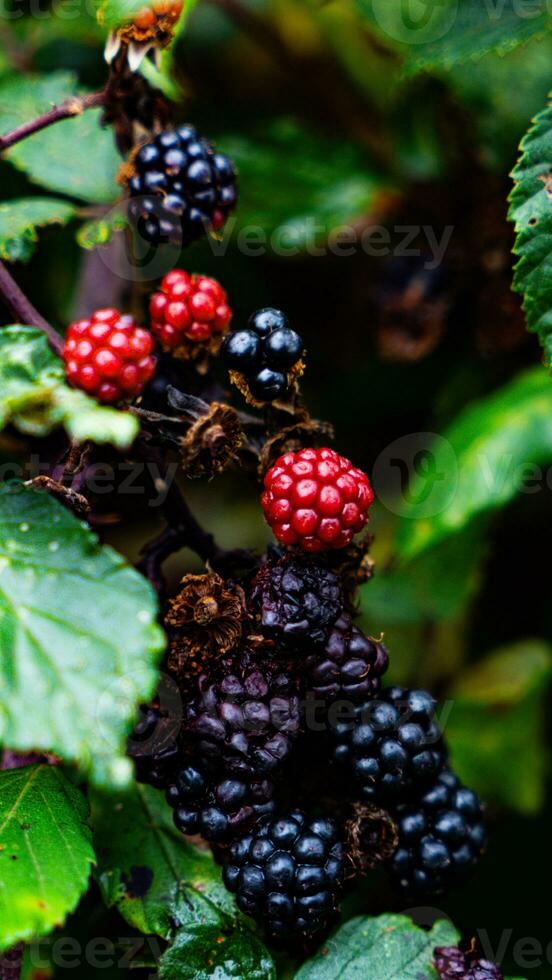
72, 106
23, 309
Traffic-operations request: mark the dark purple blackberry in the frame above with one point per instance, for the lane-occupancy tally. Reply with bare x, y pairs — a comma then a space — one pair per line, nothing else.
393, 747
264, 354
217, 808
453, 964
153, 745
441, 836
182, 187
288, 874
245, 716
298, 601
350, 666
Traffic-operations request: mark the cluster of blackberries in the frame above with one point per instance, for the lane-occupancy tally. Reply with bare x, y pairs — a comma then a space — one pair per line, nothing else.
264, 355
181, 189
247, 720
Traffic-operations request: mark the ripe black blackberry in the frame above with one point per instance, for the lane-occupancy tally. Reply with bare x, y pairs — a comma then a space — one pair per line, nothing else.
452, 963
181, 188
441, 836
218, 808
350, 666
245, 715
393, 747
265, 355
298, 601
288, 874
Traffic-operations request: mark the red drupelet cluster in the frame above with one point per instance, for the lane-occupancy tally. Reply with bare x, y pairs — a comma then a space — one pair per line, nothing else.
316, 499
189, 310
109, 356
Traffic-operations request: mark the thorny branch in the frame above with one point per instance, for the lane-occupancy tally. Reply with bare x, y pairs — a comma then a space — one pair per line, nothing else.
24, 311
73, 106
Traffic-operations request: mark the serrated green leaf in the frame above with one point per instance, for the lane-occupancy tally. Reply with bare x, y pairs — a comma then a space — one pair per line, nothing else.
315, 185
35, 398
531, 212
388, 947
163, 885
482, 461
45, 851
75, 156
497, 726
79, 643
435, 36
20, 219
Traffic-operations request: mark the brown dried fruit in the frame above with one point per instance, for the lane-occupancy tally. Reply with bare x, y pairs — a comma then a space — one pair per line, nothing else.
212, 441
206, 621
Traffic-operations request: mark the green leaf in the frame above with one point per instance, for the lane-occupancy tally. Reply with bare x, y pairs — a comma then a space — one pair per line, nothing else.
35, 398
19, 220
45, 851
92, 234
435, 36
75, 156
78, 642
531, 212
497, 725
388, 947
315, 186
163, 885
490, 452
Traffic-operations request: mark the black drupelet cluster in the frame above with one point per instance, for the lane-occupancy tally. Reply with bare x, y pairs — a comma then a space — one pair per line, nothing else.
265, 354
289, 873
246, 722
452, 963
181, 189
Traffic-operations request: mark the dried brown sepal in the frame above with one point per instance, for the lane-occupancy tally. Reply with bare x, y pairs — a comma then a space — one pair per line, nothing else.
302, 434
212, 442
240, 381
197, 351
354, 566
75, 502
205, 621
371, 836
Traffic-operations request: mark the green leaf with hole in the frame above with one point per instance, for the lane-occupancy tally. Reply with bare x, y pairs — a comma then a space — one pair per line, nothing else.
531, 212
76, 156
496, 729
388, 947
494, 450
316, 186
79, 644
164, 885
20, 220
45, 851
35, 398
435, 36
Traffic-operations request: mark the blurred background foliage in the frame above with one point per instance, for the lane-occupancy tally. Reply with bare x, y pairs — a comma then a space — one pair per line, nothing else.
333, 121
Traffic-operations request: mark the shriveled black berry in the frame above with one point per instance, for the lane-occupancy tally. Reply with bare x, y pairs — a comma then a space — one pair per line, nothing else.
216, 807
441, 837
393, 748
452, 963
288, 874
153, 745
182, 188
268, 385
350, 666
263, 322
298, 601
241, 350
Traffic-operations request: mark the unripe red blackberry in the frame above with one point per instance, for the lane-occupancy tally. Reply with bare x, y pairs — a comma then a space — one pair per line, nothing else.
452, 963
348, 668
316, 499
189, 312
297, 600
441, 837
109, 356
288, 874
181, 189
